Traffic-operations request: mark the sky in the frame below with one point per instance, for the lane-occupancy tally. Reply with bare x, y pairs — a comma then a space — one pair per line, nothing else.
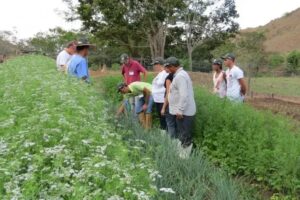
31, 16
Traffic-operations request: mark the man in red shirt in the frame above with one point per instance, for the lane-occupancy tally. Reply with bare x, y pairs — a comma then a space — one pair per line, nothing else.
131, 70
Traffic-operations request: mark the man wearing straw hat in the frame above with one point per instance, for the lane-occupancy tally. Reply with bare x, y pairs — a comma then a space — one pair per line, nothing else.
78, 65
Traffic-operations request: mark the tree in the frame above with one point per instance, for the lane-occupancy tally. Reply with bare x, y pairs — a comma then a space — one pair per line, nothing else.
205, 20
51, 42
134, 24
250, 46
293, 61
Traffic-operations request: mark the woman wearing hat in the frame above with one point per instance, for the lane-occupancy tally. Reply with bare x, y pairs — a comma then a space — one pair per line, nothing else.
219, 79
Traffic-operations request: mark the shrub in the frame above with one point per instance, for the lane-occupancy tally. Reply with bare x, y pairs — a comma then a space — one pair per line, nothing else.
116, 67
276, 60
249, 143
293, 61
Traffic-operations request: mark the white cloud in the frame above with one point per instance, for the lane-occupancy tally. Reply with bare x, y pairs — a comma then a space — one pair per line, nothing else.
32, 16
254, 13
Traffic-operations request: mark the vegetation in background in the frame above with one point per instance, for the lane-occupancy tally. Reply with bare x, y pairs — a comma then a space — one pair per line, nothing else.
145, 30
286, 86
293, 61
276, 60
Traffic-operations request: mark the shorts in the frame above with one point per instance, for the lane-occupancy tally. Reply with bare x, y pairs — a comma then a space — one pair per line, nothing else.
141, 102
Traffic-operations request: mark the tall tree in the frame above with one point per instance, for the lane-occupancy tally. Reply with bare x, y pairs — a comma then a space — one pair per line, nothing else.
135, 24
207, 19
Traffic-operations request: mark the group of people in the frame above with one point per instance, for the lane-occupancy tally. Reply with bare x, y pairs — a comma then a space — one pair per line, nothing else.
171, 93
73, 60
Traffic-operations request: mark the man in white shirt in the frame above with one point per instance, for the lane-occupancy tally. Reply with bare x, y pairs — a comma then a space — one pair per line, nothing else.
181, 101
236, 86
65, 56
159, 90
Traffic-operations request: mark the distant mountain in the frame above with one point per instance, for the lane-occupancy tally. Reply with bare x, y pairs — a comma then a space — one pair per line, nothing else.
283, 34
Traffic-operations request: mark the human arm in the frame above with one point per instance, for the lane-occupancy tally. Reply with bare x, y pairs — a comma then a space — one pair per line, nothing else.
166, 102
243, 86
147, 94
82, 70
120, 110
182, 86
142, 70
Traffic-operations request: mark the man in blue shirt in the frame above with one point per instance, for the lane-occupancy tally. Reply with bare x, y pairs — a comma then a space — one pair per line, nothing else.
78, 65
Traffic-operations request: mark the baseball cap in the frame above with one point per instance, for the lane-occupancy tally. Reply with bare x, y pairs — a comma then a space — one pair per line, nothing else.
124, 57
121, 86
230, 56
172, 61
159, 61
217, 62
84, 42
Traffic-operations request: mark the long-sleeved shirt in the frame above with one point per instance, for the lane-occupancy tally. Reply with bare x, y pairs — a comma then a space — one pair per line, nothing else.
158, 88
181, 97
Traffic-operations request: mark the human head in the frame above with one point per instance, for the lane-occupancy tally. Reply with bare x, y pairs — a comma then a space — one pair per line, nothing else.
124, 59
172, 64
217, 65
71, 48
83, 50
83, 47
158, 64
123, 88
229, 60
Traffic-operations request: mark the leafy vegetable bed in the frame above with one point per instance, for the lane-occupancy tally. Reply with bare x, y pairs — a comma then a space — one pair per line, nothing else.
55, 142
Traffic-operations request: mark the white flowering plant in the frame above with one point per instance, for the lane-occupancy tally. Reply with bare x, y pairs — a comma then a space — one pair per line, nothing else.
55, 141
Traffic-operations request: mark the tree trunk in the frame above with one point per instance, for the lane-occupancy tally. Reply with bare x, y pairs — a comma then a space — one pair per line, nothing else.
190, 54
157, 40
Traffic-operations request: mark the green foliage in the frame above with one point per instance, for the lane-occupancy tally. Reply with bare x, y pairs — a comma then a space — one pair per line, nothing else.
193, 178
50, 43
56, 143
293, 61
276, 60
249, 143
116, 67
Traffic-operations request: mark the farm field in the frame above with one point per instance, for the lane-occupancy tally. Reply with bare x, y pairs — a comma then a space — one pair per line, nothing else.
285, 99
58, 140
243, 141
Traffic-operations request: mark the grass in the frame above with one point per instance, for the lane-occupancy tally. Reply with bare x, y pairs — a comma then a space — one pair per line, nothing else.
286, 86
56, 143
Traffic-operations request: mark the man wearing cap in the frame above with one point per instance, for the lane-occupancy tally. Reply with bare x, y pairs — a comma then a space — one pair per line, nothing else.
78, 65
65, 56
219, 78
131, 70
159, 90
145, 103
236, 86
182, 102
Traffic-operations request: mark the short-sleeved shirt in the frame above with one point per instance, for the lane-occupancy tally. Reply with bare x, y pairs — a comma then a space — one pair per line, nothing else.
78, 67
137, 88
132, 71
233, 76
62, 60
158, 89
